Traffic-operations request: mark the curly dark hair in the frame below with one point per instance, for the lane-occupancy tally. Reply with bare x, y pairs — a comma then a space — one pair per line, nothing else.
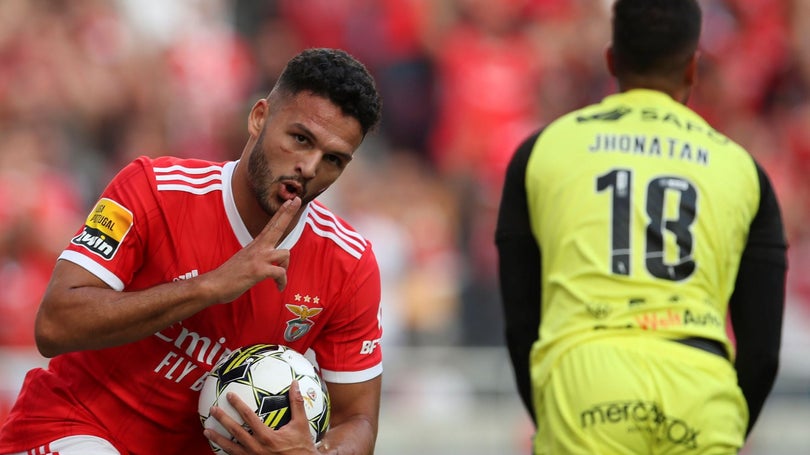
655, 36
336, 75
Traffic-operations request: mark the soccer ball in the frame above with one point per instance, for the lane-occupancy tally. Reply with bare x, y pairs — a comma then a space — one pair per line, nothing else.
261, 376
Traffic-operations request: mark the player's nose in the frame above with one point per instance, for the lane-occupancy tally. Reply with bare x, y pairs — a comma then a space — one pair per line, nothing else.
308, 163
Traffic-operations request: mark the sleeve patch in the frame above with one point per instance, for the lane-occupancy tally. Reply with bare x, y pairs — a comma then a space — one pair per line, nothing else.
105, 228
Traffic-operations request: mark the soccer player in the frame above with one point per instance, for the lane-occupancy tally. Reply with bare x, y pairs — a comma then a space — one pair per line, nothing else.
627, 231
182, 261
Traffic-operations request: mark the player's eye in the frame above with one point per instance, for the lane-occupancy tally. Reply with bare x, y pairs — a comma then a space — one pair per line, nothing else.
334, 159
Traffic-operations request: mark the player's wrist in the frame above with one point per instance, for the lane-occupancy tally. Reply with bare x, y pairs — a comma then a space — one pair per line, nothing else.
204, 289
321, 447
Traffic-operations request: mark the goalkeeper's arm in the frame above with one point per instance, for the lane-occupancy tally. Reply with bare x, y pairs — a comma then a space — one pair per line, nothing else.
519, 271
757, 304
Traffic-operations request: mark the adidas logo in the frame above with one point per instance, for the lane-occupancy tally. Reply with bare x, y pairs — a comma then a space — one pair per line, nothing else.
187, 275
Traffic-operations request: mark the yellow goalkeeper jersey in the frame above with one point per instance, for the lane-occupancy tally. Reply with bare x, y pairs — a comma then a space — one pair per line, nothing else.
641, 211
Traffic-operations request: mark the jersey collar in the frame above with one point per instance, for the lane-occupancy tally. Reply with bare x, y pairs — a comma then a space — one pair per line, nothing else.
238, 226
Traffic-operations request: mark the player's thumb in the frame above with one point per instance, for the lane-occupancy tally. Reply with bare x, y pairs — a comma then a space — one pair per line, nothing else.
296, 400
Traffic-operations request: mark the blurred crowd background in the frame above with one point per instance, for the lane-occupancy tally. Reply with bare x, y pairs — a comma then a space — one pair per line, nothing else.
88, 85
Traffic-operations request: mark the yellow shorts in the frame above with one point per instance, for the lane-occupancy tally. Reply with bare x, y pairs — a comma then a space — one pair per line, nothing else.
640, 396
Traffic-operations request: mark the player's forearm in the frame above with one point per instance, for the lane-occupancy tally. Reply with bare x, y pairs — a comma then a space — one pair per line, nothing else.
520, 295
89, 317
355, 436
756, 377
519, 342
757, 323
757, 310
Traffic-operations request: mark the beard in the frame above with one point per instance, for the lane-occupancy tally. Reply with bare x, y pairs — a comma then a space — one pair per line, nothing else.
260, 177
261, 180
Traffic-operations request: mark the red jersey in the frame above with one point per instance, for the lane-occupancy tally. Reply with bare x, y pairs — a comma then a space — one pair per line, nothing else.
172, 219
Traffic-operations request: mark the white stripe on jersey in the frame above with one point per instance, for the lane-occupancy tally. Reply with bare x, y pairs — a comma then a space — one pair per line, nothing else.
330, 225
328, 231
183, 178
329, 219
336, 238
346, 377
93, 267
74, 445
187, 170
190, 189
193, 185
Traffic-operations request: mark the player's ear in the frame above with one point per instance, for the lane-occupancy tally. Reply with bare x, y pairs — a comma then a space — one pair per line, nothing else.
610, 60
690, 74
257, 117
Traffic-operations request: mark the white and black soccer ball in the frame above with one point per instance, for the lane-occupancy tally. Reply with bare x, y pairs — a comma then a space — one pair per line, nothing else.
261, 375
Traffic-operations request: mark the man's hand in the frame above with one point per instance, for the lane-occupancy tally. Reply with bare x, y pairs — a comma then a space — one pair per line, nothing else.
258, 260
293, 438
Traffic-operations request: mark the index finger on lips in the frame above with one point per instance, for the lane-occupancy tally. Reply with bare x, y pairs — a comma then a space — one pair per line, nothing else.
275, 228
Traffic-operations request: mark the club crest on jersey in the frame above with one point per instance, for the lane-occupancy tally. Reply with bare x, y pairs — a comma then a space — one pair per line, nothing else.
298, 327
105, 228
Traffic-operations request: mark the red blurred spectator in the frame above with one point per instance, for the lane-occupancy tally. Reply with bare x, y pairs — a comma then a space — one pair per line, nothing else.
488, 81
318, 23
746, 42
211, 72
39, 210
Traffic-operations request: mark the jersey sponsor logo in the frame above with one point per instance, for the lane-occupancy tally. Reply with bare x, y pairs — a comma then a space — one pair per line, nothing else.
369, 346
702, 319
105, 228
189, 350
641, 415
652, 114
611, 115
667, 319
672, 318
300, 326
598, 310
